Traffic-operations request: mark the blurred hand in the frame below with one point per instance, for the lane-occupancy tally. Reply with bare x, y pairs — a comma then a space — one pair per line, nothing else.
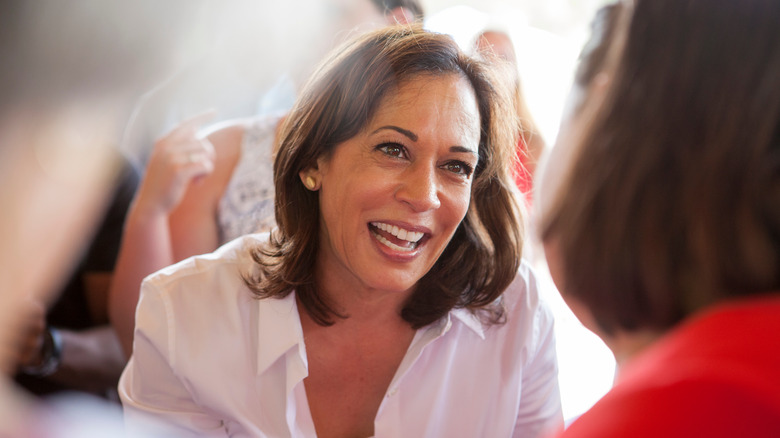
178, 158
30, 334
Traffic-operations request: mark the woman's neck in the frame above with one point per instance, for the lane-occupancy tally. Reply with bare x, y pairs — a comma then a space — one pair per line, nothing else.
354, 299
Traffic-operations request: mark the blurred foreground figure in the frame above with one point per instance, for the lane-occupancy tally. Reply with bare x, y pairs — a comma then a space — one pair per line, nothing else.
661, 219
69, 72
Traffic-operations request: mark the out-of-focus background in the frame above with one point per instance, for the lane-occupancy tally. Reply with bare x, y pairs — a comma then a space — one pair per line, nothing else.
547, 35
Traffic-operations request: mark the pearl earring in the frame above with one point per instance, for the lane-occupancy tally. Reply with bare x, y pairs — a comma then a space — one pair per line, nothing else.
310, 183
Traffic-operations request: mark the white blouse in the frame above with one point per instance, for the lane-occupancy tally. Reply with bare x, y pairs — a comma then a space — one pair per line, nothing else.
211, 360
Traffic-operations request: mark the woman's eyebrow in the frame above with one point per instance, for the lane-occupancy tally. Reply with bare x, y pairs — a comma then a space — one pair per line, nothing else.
403, 131
414, 137
462, 149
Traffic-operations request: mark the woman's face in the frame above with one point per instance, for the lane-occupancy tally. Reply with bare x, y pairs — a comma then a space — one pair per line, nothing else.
392, 197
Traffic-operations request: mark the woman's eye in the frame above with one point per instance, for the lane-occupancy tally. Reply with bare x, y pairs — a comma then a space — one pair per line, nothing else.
459, 168
392, 149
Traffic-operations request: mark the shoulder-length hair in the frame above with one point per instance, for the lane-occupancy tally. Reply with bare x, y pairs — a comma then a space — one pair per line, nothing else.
672, 201
336, 104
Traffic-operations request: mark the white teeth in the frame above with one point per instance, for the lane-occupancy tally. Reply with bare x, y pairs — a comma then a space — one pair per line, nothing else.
401, 233
393, 245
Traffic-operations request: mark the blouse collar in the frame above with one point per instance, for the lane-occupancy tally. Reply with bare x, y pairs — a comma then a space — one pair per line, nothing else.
279, 329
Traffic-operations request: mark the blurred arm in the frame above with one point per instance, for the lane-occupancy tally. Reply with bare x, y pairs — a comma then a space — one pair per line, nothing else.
177, 159
193, 223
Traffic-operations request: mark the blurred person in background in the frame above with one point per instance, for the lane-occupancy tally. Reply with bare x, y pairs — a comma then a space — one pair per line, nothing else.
496, 45
201, 190
661, 218
68, 78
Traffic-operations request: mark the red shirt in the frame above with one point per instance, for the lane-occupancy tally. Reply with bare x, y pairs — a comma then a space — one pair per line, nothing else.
716, 375
523, 177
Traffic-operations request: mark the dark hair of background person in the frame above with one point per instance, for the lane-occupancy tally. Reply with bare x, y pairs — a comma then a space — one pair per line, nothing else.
337, 103
593, 56
675, 191
413, 6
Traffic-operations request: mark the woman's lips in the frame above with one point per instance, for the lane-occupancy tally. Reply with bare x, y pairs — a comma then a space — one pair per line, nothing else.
396, 238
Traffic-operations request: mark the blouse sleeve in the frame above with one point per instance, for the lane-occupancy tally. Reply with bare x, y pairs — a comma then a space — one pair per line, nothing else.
156, 401
540, 411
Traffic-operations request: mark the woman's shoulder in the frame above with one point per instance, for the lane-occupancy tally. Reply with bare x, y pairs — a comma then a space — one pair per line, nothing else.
189, 309
218, 272
524, 293
528, 316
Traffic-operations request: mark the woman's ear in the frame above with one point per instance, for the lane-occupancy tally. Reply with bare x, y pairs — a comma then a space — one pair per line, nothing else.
310, 177
400, 15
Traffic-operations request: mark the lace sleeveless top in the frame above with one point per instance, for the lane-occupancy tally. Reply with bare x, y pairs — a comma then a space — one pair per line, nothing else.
247, 206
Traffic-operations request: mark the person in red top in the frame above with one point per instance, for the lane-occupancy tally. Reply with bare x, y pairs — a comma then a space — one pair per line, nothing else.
716, 375
660, 218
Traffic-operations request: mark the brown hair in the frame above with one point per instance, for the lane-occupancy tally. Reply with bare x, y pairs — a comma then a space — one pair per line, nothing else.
337, 103
672, 202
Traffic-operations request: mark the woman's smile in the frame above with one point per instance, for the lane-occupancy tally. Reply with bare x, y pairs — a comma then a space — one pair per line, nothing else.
396, 238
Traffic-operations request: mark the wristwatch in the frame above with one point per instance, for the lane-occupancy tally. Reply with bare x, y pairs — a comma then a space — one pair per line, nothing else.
51, 353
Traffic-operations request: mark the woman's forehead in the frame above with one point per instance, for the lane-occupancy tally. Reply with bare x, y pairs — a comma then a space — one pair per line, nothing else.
409, 90
405, 91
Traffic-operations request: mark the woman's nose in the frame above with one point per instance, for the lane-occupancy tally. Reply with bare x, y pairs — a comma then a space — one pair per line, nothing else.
419, 188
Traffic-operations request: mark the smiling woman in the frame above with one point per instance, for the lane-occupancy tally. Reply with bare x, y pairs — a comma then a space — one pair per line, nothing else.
343, 103
390, 300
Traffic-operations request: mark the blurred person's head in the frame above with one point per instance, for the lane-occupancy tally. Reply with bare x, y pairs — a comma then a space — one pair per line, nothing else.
496, 42
336, 21
668, 199
360, 80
